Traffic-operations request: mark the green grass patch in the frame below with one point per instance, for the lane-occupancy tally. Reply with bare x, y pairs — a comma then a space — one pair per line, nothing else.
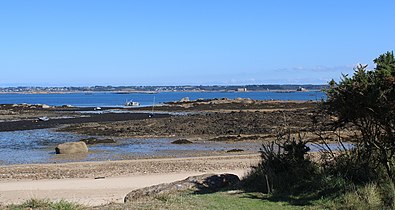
366, 197
46, 204
219, 200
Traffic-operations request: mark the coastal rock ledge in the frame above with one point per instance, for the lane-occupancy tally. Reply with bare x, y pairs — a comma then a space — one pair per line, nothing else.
71, 148
201, 183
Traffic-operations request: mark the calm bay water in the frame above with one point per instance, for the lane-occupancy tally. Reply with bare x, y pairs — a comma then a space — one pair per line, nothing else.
112, 99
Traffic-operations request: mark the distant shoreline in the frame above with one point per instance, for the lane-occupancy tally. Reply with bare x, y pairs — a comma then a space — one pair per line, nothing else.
162, 89
151, 92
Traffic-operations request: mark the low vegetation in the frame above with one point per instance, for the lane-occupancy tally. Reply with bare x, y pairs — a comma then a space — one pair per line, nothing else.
219, 200
45, 204
358, 178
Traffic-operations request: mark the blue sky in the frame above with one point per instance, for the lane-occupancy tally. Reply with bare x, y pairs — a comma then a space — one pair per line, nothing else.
167, 42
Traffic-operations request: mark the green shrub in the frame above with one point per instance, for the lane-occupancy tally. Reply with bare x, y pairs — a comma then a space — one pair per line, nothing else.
284, 168
352, 168
366, 101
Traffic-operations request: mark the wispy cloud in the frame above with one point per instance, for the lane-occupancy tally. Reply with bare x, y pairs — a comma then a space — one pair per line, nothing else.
292, 75
319, 68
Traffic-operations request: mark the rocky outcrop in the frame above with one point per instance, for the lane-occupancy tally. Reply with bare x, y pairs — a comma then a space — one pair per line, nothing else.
93, 140
211, 124
182, 141
71, 148
202, 183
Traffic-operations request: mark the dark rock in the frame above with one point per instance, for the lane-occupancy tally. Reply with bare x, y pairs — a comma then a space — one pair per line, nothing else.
100, 177
93, 140
224, 138
182, 141
202, 183
235, 150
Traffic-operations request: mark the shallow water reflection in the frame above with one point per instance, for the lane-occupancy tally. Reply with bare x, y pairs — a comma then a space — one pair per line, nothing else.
38, 146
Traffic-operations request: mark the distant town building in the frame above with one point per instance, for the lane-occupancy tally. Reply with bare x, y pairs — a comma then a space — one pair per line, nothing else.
241, 89
301, 89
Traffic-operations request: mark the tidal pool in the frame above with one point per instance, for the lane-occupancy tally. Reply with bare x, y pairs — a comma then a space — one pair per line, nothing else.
38, 146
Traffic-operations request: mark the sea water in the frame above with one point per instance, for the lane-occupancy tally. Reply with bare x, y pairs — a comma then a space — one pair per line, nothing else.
113, 99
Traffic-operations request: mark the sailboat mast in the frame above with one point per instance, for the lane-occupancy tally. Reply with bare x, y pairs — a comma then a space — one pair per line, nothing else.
153, 104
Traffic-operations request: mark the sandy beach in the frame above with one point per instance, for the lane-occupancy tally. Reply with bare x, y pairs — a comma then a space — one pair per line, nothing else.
98, 183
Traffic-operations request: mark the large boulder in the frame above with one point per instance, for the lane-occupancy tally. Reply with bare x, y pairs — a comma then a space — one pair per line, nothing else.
202, 183
44, 106
71, 148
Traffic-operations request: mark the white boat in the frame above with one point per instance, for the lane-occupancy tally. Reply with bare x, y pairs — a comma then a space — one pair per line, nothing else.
45, 118
132, 103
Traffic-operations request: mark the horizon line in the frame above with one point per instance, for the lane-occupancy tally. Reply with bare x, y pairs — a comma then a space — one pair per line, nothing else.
221, 85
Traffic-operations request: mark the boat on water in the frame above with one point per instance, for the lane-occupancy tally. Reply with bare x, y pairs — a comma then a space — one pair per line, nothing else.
132, 103
45, 118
